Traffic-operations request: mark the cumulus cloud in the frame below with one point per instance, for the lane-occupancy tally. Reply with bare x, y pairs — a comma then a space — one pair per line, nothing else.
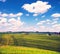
4, 15
27, 14
3, 21
43, 16
35, 14
3, 0
48, 26
55, 19
54, 22
42, 28
15, 24
56, 27
10, 24
37, 7
41, 22
56, 15
53, 28
11, 15
47, 22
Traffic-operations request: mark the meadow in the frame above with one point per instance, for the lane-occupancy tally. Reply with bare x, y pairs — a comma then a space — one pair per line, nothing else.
31, 43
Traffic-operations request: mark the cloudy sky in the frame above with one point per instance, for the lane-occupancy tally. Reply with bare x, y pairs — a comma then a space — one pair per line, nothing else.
30, 15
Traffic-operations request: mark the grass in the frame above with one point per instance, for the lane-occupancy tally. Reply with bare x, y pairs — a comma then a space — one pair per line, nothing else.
24, 50
29, 44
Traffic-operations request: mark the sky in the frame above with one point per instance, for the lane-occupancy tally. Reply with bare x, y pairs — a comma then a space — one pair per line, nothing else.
30, 15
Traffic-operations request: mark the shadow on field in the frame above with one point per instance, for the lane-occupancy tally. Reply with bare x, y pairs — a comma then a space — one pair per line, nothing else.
41, 47
0, 52
36, 44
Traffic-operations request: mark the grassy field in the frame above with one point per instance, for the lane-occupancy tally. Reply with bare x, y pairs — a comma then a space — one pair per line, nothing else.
24, 50
31, 43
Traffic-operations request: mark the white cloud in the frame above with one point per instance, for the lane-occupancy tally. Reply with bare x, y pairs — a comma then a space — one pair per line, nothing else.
10, 22
48, 26
56, 27
37, 7
47, 22
40, 28
19, 14
41, 22
3, 19
4, 15
3, 0
43, 16
55, 19
15, 22
56, 15
35, 14
44, 28
27, 14
11, 15
54, 22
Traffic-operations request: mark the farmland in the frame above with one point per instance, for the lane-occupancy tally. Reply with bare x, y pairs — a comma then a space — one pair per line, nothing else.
32, 43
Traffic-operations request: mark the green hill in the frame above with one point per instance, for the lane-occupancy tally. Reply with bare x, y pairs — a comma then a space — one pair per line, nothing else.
31, 40
24, 50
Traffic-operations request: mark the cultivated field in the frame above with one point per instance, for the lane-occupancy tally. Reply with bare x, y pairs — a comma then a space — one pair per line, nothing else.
24, 50
29, 43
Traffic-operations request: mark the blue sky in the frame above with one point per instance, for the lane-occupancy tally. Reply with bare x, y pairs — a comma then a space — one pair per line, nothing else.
30, 15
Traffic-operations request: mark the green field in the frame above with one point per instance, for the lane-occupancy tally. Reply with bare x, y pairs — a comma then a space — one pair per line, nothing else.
24, 50
31, 43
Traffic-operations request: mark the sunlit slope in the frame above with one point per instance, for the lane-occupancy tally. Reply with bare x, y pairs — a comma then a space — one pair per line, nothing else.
24, 50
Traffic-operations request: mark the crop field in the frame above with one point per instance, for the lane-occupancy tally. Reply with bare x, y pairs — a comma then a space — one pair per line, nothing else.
31, 43
24, 50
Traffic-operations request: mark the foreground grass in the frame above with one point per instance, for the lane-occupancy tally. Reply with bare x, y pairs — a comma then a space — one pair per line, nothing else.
24, 50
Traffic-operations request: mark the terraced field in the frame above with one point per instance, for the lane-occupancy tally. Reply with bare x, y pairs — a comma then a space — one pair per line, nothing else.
31, 43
